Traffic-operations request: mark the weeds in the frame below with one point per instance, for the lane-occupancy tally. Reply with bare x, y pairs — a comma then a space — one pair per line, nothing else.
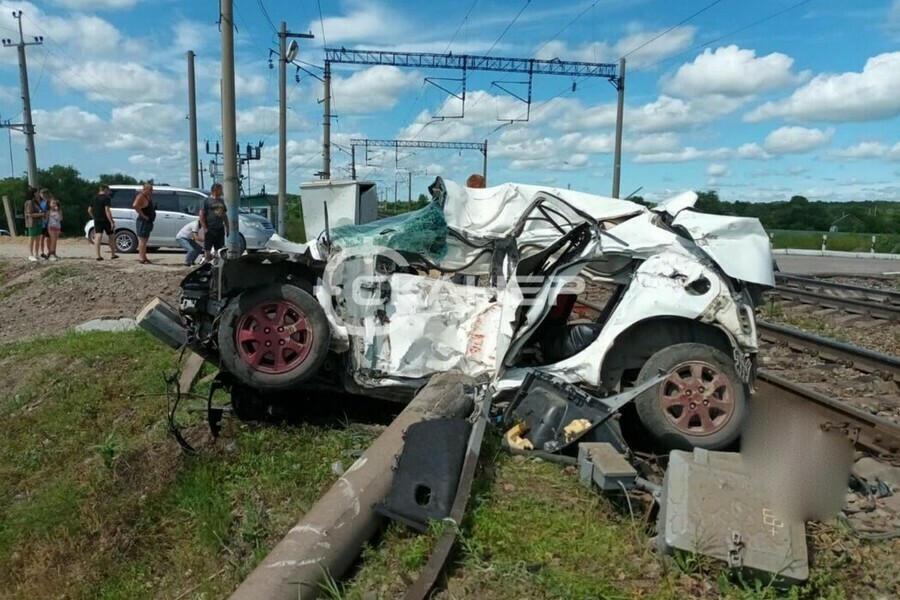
108, 450
58, 273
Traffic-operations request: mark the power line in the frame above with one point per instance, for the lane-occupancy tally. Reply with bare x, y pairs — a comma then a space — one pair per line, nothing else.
729, 34
511, 23
461, 23
569, 24
262, 8
680, 23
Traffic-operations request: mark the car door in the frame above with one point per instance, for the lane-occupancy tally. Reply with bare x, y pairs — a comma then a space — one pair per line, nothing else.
167, 217
189, 204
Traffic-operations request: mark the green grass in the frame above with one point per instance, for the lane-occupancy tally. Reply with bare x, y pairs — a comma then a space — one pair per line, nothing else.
58, 273
845, 242
97, 501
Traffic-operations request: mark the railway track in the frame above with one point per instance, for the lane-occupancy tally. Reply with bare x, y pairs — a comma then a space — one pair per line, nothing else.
873, 310
889, 297
872, 433
858, 358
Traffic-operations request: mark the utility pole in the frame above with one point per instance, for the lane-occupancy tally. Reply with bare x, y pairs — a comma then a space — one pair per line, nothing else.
229, 127
285, 55
27, 127
620, 109
326, 125
484, 163
192, 119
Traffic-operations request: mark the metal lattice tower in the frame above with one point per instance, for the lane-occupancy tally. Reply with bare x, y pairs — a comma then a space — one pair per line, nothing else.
397, 144
615, 74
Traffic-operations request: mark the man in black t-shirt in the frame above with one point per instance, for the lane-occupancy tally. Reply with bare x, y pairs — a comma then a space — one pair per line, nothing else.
103, 221
214, 221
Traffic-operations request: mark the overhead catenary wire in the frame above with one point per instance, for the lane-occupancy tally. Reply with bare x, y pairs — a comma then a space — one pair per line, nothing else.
726, 35
265, 13
670, 29
511, 23
569, 24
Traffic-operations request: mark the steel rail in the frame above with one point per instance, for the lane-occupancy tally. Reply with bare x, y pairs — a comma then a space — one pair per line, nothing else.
868, 431
443, 548
860, 307
891, 296
862, 359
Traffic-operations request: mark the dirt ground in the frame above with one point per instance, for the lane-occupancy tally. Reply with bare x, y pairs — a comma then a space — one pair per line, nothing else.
51, 296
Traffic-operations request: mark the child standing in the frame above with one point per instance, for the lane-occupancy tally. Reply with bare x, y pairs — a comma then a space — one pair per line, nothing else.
54, 226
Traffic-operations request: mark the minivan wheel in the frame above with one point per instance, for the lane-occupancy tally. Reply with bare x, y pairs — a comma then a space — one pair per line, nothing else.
701, 403
273, 338
126, 242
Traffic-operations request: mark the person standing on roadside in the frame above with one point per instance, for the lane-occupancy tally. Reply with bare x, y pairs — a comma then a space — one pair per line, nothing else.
54, 226
189, 238
101, 212
214, 221
146, 214
45, 233
33, 216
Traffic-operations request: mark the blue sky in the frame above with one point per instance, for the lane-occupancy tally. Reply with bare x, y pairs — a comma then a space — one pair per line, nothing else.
757, 100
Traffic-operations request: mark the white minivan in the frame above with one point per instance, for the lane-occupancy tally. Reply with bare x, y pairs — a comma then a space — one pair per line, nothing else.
175, 208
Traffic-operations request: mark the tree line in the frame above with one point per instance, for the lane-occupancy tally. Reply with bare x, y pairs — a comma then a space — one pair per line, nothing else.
73, 192
801, 214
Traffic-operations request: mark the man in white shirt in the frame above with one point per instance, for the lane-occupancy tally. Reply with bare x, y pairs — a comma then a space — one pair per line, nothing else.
190, 238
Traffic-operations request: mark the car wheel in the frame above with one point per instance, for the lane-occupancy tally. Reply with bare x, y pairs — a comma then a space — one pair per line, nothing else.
90, 236
701, 403
243, 245
126, 242
273, 338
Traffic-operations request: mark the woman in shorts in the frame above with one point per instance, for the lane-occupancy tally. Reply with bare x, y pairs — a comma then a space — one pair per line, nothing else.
54, 226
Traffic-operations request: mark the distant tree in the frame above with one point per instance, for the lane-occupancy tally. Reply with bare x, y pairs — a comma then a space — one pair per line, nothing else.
73, 193
117, 179
709, 202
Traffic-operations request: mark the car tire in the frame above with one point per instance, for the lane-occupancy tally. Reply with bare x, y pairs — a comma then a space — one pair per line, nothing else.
243, 245
126, 241
702, 403
255, 348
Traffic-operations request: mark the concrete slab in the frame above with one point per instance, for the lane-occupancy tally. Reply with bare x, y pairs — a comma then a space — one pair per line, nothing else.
824, 265
123, 324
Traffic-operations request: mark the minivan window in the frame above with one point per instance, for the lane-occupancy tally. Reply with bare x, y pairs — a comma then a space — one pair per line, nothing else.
166, 201
190, 203
121, 198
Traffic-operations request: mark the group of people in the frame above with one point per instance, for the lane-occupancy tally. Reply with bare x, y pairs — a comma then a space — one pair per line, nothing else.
206, 235
43, 222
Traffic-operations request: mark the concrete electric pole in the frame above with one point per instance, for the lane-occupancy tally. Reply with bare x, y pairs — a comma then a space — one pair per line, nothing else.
285, 55
27, 127
192, 120
229, 128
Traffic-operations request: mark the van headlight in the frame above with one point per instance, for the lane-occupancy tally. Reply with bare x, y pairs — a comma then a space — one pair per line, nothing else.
252, 225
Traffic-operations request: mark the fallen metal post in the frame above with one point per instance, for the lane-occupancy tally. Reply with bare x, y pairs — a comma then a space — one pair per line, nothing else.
328, 538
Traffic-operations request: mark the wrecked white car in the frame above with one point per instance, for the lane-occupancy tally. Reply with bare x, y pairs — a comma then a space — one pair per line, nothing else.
484, 281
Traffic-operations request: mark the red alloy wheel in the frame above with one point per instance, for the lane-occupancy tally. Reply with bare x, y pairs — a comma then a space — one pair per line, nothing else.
697, 398
274, 337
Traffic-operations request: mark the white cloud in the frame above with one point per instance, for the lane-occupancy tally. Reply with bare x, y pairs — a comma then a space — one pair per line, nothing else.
718, 170
870, 95
120, 83
796, 140
372, 90
732, 71
364, 22
673, 114
148, 117
866, 150
753, 151
69, 123
652, 143
686, 154
672, 42
893, 17
576, 117
263, 120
